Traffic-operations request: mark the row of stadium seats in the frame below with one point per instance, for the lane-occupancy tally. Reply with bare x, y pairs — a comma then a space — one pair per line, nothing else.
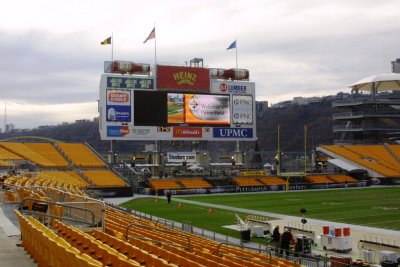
69, 177
318, 179
170, 242
341, 178
272, 180
315, 179
47, 248
80, 155
247, 181
7, 154
179, 184
6, 158
62, 180
4, 163
47, 151
148, 244
374, 157
30, 154
46, 155
103, 178
66, 180
96, 250
195, 183
395, 150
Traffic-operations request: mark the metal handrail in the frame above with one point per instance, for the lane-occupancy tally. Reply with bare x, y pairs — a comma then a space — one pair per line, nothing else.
60, 204
241, 257
160, 230
157, 241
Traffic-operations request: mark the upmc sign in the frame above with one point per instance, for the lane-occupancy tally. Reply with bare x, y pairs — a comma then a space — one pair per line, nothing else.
187, 78
233, 132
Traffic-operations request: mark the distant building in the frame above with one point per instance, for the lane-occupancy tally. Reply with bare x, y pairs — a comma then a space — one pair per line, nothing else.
9, 128
298, 100
261, 105
282, 104
302, 101
366, 118
44, 127
82, 120
342, 95
396, 66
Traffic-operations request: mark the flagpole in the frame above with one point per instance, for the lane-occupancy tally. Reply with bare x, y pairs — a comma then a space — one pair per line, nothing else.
112, 46
236, 55
155, 44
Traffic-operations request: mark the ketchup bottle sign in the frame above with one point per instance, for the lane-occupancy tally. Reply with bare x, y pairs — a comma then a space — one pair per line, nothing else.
232, 74
129, 67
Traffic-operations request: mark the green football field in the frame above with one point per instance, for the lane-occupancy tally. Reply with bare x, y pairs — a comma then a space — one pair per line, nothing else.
374, 207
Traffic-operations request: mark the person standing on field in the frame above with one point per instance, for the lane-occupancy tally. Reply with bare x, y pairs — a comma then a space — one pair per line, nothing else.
286, 240
276, 238
168, 194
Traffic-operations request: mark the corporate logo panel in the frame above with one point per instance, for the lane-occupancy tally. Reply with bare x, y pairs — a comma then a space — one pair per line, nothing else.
233, 132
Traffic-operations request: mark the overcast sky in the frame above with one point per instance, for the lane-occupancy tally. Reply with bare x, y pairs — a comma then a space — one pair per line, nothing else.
51, 57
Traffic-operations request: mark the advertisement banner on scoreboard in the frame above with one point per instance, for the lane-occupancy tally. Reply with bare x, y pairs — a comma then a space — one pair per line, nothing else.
242, 109
119, 82
118, 107
183, 78
232, 87
128, 132
176, 157
207, 109
232, 133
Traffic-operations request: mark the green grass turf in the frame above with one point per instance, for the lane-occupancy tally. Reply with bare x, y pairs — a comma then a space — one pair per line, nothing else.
194, 215
374, 207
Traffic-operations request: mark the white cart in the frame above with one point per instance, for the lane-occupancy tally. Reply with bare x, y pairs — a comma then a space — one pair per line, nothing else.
339, 244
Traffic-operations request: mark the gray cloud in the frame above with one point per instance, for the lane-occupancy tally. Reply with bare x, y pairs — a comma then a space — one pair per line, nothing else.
290, 47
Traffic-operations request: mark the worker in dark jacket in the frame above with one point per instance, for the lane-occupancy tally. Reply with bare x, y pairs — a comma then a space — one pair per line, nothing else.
168, 194
286, 240
276, 238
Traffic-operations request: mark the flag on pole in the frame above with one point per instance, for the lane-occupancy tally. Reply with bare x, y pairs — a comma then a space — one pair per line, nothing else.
233, 45
106, 41
152, 35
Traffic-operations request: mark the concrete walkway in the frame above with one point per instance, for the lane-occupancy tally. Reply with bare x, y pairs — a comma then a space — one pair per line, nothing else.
11, 253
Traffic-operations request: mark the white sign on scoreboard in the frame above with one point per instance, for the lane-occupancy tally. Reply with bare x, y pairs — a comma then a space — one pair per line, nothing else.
242, 109
175, 157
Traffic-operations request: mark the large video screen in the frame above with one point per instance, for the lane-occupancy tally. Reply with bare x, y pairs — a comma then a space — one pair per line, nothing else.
161, 108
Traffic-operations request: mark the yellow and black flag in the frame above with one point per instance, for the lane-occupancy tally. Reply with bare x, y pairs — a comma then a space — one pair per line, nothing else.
106, 41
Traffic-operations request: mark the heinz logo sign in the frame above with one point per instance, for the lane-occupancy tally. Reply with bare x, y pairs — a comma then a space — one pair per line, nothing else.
233, 132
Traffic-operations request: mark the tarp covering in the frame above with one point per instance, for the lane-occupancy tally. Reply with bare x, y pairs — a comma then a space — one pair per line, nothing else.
343, 164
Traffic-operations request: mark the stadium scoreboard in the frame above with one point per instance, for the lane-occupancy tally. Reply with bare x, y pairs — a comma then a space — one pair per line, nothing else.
176, 103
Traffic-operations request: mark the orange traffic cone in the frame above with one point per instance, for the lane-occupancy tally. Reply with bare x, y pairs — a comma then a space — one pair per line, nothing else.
180, 205
210, 211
